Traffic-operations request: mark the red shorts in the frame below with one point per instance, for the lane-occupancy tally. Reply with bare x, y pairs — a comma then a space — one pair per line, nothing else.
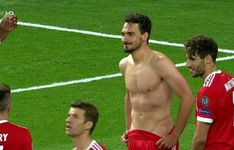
143, 140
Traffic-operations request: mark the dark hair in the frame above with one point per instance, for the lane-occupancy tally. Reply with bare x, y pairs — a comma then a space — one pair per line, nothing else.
144, 22
91, 112
202, 46
5, 96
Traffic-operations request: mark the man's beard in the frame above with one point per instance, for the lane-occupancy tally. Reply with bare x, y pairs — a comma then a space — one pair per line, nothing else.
131, 48
196, 73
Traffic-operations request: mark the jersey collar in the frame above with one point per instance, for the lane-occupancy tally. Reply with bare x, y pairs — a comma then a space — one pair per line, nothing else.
212, 73
3, 121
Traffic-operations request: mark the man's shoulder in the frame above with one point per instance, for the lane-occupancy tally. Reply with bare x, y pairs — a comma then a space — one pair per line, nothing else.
125, 59
218, 82
124, 62
228, 75
217, 78
161, 63
158, 54
161, 58
16, 127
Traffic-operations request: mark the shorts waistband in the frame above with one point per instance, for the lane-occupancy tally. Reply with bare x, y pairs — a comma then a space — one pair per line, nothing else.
143, 135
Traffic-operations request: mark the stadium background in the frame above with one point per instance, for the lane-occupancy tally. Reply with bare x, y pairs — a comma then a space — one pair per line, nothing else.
33, 57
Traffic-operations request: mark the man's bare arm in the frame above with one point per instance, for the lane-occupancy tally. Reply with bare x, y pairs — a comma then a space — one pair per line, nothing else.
179, 85
128, 110
200, 136
127, 104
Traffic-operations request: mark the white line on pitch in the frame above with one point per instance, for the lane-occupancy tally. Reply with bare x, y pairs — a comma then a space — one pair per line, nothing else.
56, 84
86, 80
104, 34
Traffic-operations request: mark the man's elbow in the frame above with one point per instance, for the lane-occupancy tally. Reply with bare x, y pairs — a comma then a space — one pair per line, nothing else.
199, 142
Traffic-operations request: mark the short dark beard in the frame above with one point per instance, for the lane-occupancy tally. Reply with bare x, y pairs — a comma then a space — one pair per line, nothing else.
129, 51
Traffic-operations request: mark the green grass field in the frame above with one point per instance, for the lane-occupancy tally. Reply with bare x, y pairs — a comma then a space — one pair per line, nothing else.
38, 56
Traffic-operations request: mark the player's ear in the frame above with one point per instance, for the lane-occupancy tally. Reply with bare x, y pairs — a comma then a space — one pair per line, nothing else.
88, 125
208, 59
9, 106
145, 36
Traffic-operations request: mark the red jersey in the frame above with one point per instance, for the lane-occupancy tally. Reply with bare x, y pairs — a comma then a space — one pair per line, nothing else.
14, 137
215, 105
94, 146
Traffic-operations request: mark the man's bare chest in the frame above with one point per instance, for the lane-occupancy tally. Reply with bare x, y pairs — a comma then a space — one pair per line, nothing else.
141, 79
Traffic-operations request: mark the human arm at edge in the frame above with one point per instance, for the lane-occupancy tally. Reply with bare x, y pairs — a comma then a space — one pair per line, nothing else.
181, 88
200, 136
128, 110
127, 104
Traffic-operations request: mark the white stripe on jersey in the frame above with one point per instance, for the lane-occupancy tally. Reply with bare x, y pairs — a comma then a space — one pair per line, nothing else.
94, 145
206, 120
233, 97
229, 85
3, 121
209, 79
233, 104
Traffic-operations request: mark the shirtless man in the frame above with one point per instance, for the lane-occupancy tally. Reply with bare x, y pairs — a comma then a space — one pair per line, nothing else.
151, 79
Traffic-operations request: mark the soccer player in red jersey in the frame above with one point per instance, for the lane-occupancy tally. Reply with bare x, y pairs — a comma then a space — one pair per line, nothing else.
12, 137
7, 24
80, 123
215, 100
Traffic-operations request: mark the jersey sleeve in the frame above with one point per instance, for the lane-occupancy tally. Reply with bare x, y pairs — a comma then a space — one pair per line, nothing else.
206, 102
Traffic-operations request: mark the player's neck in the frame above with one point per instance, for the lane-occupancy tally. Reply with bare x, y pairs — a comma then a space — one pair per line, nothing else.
141, 54
209, 70
4, 116
82, 142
